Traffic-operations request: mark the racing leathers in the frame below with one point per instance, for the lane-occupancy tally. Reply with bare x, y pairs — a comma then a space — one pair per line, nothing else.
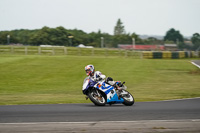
97, 76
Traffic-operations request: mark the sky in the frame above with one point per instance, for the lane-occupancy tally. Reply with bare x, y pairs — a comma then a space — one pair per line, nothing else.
143, 17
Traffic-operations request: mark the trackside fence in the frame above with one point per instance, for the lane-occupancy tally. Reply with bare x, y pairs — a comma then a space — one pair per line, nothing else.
37, 50
170, 55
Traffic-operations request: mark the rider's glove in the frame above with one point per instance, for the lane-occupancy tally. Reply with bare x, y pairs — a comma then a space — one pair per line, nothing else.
98, 79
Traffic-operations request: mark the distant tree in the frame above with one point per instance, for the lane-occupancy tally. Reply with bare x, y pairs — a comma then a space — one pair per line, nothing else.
196, 41
79, 37
119, 28
61, 36
3, 37
138, 40
95, 39
173, 35
51, 36
121, 39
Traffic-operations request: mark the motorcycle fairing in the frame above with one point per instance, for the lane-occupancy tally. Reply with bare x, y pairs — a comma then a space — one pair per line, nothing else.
88, 83
113, 97
110, 92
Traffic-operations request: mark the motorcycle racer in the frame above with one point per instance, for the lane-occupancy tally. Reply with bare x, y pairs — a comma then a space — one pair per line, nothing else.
94, 75
97, 75
101, 90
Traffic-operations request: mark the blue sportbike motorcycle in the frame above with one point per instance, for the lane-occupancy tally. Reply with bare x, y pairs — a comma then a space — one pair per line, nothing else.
102, 93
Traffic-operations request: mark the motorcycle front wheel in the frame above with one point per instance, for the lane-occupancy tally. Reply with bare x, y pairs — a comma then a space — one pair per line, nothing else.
96, 97
128, 98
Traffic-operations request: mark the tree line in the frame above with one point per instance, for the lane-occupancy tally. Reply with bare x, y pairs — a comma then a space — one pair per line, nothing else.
65, 37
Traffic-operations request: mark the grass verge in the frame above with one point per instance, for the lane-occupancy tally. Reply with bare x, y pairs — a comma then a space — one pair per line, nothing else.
35, 79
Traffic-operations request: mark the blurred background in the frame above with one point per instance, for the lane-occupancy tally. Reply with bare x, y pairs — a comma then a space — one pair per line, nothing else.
172, 24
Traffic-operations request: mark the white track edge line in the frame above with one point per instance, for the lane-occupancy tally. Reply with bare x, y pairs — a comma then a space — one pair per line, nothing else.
174, 99
195, 64
91, 122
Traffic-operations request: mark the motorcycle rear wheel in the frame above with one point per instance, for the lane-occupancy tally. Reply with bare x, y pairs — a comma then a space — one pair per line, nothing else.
96, 97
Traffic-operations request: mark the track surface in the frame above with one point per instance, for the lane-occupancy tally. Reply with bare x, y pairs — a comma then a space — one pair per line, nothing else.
196, 63
180, 116
163, 110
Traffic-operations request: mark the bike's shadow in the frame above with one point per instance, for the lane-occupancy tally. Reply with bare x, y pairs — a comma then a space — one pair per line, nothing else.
106, 106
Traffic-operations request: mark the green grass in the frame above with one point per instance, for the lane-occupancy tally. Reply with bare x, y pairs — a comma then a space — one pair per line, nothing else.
35, 79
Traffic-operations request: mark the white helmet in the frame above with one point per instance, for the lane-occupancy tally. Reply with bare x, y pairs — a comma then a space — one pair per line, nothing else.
89, 70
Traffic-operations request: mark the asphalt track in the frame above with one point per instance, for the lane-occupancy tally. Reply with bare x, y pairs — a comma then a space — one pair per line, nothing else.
196, 63
164, 116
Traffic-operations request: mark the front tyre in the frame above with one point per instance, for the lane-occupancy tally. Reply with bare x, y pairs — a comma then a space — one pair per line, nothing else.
96, 97
128, 98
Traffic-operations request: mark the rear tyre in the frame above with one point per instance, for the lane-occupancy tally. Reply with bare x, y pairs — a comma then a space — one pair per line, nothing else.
96, 97
128, 98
